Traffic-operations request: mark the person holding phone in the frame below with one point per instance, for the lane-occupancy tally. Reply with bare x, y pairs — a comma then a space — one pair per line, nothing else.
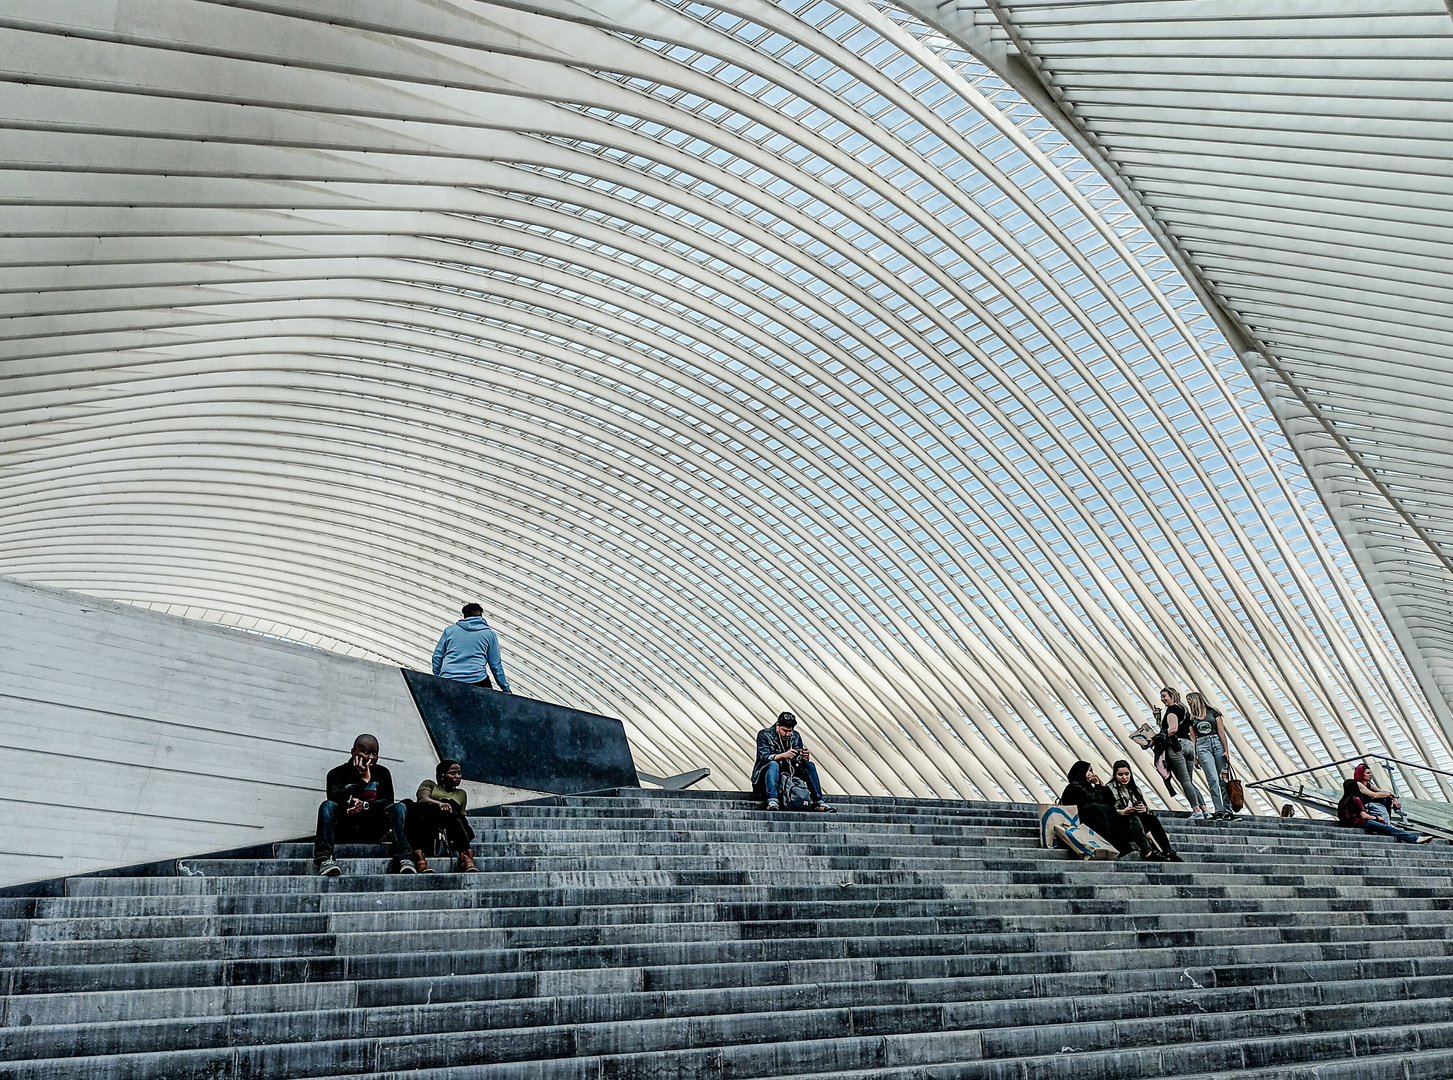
778, 745
360, 808
1142, 828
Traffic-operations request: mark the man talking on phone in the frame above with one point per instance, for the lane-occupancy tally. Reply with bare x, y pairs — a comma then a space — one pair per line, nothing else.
777, 746
360, 808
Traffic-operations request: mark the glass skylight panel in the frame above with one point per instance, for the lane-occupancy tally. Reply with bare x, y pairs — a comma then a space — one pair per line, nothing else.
800, 350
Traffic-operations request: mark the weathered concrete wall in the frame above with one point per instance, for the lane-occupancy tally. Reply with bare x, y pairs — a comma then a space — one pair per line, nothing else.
128, 736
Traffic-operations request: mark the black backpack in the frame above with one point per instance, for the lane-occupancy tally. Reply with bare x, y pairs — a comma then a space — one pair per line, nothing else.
793, 791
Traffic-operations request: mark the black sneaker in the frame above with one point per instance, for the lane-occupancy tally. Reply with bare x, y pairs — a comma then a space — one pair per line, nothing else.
327, 867
772, 804
403, 866
1171, 856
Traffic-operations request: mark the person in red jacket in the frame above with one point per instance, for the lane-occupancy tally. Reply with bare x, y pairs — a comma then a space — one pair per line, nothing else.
1352, 813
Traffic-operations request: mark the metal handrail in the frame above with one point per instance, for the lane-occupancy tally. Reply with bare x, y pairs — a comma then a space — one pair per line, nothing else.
1344, 761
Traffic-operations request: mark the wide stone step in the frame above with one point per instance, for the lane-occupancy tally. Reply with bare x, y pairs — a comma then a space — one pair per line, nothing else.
1283, 985
1239, 1038
928, 915
973, 933
993, 954
1025, 853
780, 898
963, 1003
947, 1054
1047, 865
223, 875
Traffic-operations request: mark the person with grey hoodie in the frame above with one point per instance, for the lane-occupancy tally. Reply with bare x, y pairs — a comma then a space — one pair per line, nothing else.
468, 651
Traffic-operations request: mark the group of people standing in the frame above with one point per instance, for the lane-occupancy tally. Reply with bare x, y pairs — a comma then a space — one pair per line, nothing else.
1194, 734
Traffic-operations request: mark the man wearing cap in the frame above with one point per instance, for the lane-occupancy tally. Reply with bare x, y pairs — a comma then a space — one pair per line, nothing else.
1380, 804
777, 745
468, 651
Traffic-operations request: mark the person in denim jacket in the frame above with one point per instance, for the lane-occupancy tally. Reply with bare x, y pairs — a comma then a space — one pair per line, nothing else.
777, 746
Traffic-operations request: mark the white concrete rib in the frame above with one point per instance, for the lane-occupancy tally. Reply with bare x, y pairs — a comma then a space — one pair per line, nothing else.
777, 356
1296, 159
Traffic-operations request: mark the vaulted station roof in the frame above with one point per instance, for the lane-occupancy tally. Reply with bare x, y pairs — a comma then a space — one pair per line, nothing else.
778, 356
1295, 159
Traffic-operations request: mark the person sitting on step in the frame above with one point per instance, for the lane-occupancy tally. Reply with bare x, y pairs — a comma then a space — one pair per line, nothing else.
1142, 827
440, 806
1351, 812
360, 807
1096, 805
1380, 804
779, 745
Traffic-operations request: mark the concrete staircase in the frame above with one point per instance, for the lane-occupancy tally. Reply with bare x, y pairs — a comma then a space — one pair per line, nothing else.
666, 936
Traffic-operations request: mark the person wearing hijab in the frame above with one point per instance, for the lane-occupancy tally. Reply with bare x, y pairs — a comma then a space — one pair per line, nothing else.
1143, 827
1096, 805
1351, 812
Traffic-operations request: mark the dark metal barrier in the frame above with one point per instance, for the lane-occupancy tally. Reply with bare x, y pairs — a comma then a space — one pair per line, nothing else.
520, 742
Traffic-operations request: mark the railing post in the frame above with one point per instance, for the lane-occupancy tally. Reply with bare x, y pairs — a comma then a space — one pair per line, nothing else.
1392, 783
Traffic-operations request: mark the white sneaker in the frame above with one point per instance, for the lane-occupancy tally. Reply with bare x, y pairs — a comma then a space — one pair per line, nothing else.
1199, 815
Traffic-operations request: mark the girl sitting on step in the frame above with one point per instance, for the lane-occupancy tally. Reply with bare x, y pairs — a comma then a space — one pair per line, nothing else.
1351, 811
439, 806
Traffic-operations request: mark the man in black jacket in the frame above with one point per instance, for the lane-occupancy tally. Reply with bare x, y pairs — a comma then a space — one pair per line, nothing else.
778, 746
360, 807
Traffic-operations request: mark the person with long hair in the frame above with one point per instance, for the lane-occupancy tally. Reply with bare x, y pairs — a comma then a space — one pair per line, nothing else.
1208, 727
1350, 812
1096, 805
1376, 801
1142, 827
1180, 751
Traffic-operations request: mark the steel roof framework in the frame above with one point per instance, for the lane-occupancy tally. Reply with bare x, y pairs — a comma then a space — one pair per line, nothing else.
1293, 158
779, 356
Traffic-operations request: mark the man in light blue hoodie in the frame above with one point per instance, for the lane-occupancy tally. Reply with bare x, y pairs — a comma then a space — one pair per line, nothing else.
469, 651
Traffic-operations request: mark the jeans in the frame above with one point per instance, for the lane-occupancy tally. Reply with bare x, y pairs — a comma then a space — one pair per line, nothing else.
1180, 759
807, 771
1377, 810
1212, 756
367, 827
1383, 829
